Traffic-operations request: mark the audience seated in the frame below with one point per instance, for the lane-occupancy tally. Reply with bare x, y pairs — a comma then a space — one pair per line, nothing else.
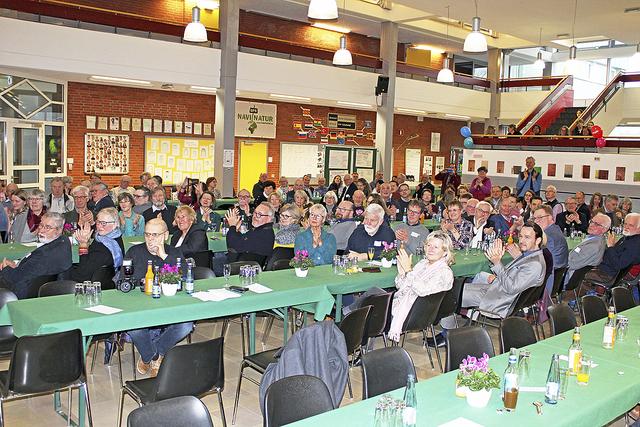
591, 250
413, 233
469, 208
481, 224
210, 185
319, 243
612, 211
58, 201
330, 202
52, 257
288, 226
190, 236
205, 215
123, 187
142, 200
25, 225
344, 225
571, 218
402, 203
268, 187
258, 187
244, 206
130, 223
550, 195
257, 242
371, 233
459, 230
297, 186
80, 214
348, 188
554, 240
161, 210
100, 197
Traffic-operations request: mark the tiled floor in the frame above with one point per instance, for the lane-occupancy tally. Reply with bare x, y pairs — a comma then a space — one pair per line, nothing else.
105, 387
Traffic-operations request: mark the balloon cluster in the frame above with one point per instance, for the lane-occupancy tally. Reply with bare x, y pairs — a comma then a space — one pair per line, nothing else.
596, 132
466, 133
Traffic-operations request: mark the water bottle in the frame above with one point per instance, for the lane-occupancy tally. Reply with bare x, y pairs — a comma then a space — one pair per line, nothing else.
180, 280
188, 284
553, 382
155, 289
225, 227
404, 218
410, 412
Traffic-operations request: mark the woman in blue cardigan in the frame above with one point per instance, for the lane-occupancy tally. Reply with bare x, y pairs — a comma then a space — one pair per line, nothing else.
320, 244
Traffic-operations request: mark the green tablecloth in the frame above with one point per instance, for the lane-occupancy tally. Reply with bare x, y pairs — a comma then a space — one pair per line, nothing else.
613, 389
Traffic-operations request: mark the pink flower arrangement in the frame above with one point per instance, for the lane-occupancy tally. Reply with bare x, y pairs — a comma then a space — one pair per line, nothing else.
389, 251
169, 274
301, 260
476, 374
68, 229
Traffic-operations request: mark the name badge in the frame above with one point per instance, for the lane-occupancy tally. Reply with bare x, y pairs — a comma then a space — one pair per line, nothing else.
377, 243
577, 250
414, 234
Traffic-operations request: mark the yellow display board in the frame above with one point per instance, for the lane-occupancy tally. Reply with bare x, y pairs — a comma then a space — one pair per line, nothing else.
176, 158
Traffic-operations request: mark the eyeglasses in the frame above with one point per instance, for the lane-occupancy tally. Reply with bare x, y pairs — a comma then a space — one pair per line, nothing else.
415, 212
46, 227
316, 216
540, 217
596, 223
80, 197
344, 209
137, 196
154, 235
285, 216
103, 223
260, 215
244, 197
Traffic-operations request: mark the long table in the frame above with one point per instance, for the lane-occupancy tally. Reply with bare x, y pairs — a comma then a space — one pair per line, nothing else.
613, 389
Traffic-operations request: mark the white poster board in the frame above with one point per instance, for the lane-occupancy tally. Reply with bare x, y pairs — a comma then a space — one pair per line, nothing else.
435, 142
298, 159
412, 162
427, 165
439, 164
339, 159
255, 120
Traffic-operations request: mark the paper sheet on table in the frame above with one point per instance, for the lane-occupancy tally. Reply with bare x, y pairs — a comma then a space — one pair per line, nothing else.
460, 422
103, 309
135, 243
566, 359
376, 263
259, 289
533, 389
34, 244
215, 295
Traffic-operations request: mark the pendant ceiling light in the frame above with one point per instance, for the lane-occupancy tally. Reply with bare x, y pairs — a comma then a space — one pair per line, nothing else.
475, 42
570, 66
342, 56
195, 31
445, 75
539, 63
323, 10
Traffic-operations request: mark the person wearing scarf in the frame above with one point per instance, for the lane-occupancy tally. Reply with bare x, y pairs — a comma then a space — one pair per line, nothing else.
429, 276
25, 225
106, 249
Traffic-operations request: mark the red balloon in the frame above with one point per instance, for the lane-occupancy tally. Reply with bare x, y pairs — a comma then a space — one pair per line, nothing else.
601, 142
596, 131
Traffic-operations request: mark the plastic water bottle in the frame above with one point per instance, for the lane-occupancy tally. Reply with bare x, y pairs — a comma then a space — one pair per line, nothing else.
553, 382
410, 412
179, 266
188, 284
155, 290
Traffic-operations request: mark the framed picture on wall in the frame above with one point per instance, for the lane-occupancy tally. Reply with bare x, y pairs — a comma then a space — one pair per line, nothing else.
106, 153
125, 123
136, 125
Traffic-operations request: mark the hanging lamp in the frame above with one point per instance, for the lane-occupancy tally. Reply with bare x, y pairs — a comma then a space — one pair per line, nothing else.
445, 75
342, 57
195, 31
539, 62
475, 41
323, 10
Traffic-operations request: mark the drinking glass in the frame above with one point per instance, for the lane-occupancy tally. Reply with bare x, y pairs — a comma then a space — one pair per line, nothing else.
371, 252
90, 294
419, 252
585, 370
564, 381
79, 295
467, 249
98, 293
226, 271
523, 364
336, 264
622, 326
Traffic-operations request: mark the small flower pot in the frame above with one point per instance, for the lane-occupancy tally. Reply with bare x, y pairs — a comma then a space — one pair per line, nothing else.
478, 399
169, 289
301, 273
386, 263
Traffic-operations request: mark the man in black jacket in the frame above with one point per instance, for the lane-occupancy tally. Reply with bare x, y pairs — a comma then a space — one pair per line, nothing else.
258, 187
346, 192
100, 197
572, 218
161, 210
53, 256
257, 243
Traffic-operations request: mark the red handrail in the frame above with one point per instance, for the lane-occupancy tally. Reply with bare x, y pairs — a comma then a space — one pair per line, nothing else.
432, 73
552, 140
562, 84
530, 81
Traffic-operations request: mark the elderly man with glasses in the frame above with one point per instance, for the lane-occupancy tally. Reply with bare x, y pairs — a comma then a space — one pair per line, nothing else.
81, 214
100, 197
141, 200
159, 209
154, 343
481, 224
555, 242
591, 250
257, 243
372, 233
413, 234
344, 225
571, 217
52, 257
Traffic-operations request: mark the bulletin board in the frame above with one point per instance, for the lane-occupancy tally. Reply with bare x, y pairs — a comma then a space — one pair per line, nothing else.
337, 161
106, 153
299, 159
177, 158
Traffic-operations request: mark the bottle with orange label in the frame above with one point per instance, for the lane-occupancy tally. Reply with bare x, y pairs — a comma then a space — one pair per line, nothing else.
575, 353
148, 279
609, 336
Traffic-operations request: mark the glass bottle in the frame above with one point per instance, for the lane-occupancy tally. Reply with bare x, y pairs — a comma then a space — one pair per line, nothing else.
410, 411
188, 284
553, 381
148, 279
179, 267
575, 353
511, 387
609, 336
155, 290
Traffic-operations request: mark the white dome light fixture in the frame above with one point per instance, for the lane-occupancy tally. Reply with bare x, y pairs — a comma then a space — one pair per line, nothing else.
475, 42
323, 10
195, 31
445, 75
342, 57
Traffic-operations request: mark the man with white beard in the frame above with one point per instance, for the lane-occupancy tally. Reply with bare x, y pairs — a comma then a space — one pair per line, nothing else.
372, 233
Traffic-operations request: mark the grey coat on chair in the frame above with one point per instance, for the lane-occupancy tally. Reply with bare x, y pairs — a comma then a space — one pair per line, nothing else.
318, 350
498, 297
589, 252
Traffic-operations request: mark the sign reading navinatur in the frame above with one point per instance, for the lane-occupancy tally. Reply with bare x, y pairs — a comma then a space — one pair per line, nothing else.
255, 120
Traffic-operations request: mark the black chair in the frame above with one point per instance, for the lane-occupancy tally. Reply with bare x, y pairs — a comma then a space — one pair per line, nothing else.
421, 317
45, 364
353, 327
295, 398
558, 280
462, 342
575, 283
603, 288
187, 370
378, 316
202, 259
7, 339
516, 332
202, 273
258, 362
57, 287
104, 275
451, 301
593, 308
622, 298
184, 411
278, 254
384, 370
34, 286
281, 264
235, 266
561, 318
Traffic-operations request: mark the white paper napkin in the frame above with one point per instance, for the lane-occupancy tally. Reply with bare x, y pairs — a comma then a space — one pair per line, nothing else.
460, 422
259, 289
103, 309
215, 295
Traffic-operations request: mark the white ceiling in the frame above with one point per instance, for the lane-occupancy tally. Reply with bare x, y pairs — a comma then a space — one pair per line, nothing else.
517, 22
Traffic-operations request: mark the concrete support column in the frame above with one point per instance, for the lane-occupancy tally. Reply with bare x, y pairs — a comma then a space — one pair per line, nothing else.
384, 113
494, 74
226, 95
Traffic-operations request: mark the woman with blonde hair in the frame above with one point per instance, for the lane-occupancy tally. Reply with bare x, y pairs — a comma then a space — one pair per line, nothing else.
289, 225
190, 237
301, 199
320, 244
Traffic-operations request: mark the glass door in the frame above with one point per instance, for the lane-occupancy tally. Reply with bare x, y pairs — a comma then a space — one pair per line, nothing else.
24, 152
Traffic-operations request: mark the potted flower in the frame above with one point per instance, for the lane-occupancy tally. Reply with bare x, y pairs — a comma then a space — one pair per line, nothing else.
388, 254
169, 277
302, 263
476, 380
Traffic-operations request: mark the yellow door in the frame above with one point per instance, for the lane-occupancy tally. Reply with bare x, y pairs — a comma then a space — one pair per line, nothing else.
253, 162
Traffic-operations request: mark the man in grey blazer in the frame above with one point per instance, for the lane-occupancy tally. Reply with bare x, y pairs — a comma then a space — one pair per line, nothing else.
494, 294
555, 241
591, 250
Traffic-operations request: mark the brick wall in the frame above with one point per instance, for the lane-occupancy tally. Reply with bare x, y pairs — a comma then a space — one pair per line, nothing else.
110, 101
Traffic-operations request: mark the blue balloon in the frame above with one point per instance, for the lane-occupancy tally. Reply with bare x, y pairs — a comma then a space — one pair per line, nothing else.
468, 142
465, 131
